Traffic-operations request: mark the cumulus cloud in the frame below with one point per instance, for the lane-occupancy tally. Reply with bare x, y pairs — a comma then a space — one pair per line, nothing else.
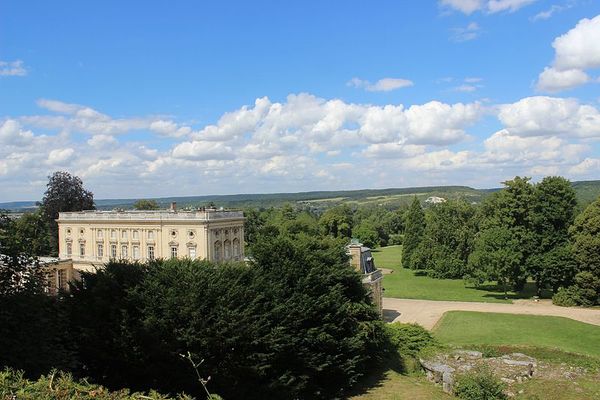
575, 51
382, 85
488, 6
545, 116
303, 142
12, 68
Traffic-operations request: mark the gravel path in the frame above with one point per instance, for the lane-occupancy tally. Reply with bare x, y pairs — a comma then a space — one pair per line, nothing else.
428, 312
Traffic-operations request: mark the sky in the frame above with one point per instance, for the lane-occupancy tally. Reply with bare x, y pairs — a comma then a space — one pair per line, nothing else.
175, 98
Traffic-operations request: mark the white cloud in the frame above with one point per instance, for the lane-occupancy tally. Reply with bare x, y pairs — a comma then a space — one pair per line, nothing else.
547, 116
302, 143
382, 85
488, 6
470, 32
12, 68
586, 166
11, 133
98, 141
554, 9
553, 80
202, 150
60, 156
575, 51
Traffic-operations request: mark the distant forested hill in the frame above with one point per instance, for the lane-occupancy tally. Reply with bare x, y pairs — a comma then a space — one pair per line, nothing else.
587, 191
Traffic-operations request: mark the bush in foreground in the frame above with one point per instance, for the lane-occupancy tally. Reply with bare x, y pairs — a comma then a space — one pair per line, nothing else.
297, 323
480, 384
61, 386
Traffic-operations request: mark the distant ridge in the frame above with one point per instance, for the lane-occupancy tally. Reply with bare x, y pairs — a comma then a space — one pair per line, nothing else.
587, 191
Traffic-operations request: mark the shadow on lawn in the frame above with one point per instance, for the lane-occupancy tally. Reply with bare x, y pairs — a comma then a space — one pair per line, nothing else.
496, 292
375, 378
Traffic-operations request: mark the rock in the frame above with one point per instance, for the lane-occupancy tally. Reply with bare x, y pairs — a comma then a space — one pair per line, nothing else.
469, 354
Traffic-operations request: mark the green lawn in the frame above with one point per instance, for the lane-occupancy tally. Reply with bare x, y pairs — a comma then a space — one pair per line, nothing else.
465, 328
409, 284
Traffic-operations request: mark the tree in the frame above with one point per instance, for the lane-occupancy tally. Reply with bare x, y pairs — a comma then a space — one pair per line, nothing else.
145, 204
337, 221
366, 233
448, 239
511, 209
552, 213
413, 232
65, 192
585, 239
496, 257
32, 232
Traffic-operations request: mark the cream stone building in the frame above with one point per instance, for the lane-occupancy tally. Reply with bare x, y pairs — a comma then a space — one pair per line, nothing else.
92, 238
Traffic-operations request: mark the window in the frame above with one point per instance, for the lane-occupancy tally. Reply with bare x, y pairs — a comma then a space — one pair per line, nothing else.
82, 249
150, 252
123, 234
100, 250
135, 235
227, 248
69, 249
81, 231
68, 231
192, 252
113, 234
135, 250
124, 251
173, 251
236, 249
99, 234
173, 233
151, 235
217, 250
113, 251
191, 234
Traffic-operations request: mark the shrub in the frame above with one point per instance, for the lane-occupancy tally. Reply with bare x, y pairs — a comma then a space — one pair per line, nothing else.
565, 297
61, 386
480, 384
409, 339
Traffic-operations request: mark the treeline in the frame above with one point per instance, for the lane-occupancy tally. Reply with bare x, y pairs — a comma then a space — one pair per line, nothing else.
524, 231
296, 323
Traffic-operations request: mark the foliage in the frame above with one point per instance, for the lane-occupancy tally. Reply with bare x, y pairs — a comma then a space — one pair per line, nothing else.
565, 297
296, 324
65, 192
145, 204
479, 384
413, 233
447, 240
585, 234
497, 256
337, 221
367, 234
584, 292
62, 386
409, 339
552, 213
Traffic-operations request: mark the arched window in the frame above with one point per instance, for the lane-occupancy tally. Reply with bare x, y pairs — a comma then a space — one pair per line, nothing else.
217, 250
236, 249
227, 246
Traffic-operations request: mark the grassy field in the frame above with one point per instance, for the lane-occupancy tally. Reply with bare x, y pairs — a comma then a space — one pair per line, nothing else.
409, 284
510, 329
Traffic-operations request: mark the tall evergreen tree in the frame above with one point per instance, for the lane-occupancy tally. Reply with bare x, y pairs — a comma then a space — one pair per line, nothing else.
413, 233
585, 234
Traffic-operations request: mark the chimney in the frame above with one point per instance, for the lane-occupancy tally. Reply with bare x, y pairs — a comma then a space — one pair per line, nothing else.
173, 207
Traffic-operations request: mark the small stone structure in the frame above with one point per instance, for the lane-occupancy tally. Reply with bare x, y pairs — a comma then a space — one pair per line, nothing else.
362, 260
443, 368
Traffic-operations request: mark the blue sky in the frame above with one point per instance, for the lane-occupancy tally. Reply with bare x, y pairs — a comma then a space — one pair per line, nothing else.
187, 98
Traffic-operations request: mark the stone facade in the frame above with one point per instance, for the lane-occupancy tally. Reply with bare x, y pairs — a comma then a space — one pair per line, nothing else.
92, 238
362, 260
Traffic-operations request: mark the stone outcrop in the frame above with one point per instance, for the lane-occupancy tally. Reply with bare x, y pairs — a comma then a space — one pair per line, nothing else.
443, 368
